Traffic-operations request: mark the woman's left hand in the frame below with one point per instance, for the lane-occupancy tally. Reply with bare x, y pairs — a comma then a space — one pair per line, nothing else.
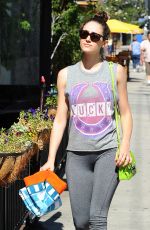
123, 157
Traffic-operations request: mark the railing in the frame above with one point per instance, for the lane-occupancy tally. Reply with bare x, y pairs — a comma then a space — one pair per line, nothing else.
12, 209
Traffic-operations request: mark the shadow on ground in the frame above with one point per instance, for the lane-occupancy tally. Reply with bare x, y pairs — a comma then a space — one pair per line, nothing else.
49, 224
134, 79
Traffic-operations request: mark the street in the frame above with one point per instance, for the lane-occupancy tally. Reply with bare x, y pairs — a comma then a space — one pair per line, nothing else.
130, 208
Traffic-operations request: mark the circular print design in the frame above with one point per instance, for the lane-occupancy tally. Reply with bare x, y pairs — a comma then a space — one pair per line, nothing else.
91, 108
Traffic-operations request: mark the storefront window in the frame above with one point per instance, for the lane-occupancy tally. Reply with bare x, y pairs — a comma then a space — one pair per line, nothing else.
19, 42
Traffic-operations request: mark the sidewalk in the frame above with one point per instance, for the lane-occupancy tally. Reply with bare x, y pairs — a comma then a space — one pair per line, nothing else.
130, 208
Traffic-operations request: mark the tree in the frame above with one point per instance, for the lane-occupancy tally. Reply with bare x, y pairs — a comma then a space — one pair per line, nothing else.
67, 17
125, 10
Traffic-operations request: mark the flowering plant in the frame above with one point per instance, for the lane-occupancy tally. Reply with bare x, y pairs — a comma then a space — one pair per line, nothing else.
35, 121
21, 135
11, 142
25, 137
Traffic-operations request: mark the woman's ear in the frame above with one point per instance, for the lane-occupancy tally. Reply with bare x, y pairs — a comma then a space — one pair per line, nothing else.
105, 43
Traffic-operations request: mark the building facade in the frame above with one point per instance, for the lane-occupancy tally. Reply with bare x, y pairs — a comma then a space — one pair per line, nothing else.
25, 30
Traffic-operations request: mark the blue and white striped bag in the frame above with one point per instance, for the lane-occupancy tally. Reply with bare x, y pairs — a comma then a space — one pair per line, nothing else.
40, 198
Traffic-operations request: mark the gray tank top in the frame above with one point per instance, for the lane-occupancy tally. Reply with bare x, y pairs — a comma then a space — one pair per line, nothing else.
92, 124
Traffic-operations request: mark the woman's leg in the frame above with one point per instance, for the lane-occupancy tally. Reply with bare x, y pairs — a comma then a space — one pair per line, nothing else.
79, 172
104, 186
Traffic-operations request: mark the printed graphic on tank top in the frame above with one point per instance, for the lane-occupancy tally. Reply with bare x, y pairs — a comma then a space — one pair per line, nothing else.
91, 125
91, 114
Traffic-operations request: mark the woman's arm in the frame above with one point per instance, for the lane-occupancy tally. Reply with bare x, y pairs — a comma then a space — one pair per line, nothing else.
59, 121
142, 53
142, 56
130, 47
126, 117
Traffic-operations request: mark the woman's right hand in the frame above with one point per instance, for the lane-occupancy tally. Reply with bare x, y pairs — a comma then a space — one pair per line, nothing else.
47, 166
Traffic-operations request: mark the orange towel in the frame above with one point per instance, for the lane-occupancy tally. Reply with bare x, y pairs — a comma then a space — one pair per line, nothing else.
58, 184
36, 178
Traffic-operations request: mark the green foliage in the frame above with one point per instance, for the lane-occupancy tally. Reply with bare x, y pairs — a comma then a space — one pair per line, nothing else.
13, 143
31, 123
51, 97
67, 19
21, 135
125, 10
25, 25
68, 16
51, 101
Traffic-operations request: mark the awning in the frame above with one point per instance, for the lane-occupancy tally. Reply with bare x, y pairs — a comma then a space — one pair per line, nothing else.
117, 26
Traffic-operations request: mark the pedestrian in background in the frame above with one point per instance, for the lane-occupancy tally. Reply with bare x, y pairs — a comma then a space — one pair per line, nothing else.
135, 54
85, 89
110, 46
144, 37
145, 56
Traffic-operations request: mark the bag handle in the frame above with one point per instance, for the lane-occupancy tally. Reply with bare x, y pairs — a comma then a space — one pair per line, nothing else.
115, 102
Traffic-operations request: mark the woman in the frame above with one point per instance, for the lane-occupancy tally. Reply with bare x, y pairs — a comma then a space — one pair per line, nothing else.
85, 89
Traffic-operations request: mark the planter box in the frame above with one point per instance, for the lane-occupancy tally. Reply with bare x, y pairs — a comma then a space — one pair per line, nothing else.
12, 164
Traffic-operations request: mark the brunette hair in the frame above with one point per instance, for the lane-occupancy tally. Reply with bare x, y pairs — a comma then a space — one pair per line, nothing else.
148, 32
100, 18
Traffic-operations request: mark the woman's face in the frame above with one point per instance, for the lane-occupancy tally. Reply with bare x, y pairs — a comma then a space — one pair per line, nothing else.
87, 45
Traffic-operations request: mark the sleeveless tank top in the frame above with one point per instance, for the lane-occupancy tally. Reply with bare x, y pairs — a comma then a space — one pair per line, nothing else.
92, 125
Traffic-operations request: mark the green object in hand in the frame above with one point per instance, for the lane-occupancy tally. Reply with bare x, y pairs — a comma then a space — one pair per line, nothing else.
128, 171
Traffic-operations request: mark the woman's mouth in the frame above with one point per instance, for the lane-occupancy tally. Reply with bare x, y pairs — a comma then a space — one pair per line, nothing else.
87, 45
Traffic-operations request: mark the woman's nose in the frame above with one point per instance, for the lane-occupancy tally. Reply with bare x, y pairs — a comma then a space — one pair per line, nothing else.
88, 38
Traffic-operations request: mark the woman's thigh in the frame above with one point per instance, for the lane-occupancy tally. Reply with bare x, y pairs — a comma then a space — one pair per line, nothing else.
79, 172
105, 182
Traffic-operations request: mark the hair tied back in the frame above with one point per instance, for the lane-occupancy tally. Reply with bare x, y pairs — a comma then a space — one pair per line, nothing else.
101, 17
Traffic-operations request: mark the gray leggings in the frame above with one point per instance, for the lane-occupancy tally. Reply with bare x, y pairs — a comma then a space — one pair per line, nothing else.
92, 180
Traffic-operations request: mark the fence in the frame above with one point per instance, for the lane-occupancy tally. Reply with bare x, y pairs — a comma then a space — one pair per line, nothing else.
12, 209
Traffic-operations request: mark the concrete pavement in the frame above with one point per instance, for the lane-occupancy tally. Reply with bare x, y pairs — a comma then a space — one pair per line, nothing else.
130, 208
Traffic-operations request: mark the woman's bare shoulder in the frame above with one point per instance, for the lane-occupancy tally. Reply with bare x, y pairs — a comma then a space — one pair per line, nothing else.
121, 73
62, 77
